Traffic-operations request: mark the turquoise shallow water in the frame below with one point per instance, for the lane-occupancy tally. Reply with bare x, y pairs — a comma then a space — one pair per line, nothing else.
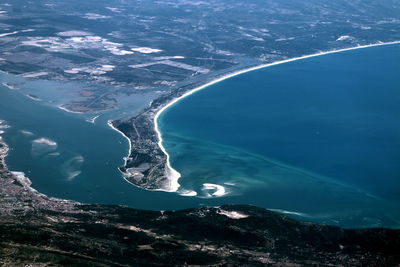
83, 166
277, 165
82, 162
319, 136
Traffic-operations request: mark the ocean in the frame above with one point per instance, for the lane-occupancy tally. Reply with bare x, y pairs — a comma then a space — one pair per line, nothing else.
317, 139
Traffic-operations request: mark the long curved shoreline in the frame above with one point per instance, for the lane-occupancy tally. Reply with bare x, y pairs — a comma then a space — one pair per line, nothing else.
173, 175
26, 214
109, 123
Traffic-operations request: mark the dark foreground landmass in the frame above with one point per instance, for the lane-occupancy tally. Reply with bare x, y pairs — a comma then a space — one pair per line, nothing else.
39, 231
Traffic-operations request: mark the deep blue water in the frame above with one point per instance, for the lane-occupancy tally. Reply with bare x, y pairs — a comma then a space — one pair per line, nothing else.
272, 138
319, 136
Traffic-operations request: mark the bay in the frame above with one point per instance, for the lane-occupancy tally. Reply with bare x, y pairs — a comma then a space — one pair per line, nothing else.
317, 137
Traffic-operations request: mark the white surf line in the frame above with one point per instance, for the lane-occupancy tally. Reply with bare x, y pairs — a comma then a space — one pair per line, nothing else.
93, 119
109, 123
174, 174
70, 111
301, 214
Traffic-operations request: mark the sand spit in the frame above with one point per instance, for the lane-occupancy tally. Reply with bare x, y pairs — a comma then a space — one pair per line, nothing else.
174, 175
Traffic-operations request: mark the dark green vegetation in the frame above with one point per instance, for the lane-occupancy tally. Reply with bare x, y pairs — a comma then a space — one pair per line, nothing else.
51, 232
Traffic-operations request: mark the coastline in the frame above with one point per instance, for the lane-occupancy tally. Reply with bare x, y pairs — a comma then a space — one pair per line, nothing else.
109, 123
69, 111
21, 189
73, 232
146, 143
177, 175
173, 187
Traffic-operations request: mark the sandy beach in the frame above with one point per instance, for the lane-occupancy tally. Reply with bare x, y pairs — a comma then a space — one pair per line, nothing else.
109, 123
69, 111
173, 174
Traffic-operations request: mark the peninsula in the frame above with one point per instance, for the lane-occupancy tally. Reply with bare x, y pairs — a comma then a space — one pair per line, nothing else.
147, 164
38, 230
69, 68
